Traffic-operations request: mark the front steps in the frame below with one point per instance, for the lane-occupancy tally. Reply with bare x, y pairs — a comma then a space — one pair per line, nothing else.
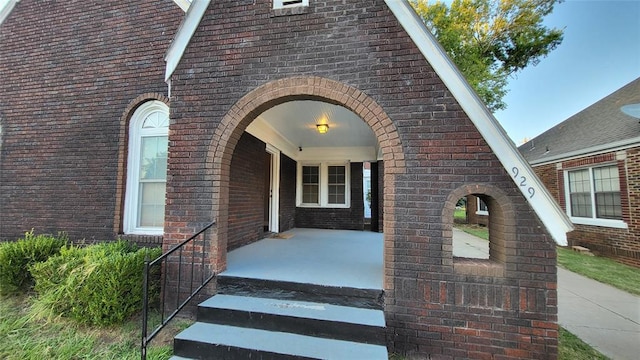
264, 319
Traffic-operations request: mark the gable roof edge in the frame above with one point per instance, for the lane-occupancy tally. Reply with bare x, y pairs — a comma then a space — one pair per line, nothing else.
183, 35
591, 151
4, 13
554, 219
183, 4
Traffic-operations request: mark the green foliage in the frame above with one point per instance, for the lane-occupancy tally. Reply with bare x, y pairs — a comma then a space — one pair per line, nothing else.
490, 40
623, 277
16, 257
99, 284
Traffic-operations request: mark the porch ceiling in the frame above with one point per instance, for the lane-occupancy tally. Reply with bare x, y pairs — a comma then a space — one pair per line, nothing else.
296, 122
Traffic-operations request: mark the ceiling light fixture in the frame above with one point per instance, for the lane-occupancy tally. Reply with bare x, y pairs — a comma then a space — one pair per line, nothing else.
322, 128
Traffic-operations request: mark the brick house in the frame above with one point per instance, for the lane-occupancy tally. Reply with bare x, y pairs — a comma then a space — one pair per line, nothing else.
590, 164
146, 120
477, 211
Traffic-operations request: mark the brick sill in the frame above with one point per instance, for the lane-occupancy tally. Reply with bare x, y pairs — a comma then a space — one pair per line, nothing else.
477, 267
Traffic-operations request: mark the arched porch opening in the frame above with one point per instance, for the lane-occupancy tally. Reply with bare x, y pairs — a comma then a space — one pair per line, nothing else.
270, 95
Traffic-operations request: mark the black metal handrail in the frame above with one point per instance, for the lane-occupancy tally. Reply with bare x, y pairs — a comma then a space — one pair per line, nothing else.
162, 262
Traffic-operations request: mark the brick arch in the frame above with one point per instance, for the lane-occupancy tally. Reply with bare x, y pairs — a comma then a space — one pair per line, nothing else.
245, 110
502, 228
123, 145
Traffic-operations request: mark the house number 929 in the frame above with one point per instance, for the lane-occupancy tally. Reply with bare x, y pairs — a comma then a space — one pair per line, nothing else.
523, 181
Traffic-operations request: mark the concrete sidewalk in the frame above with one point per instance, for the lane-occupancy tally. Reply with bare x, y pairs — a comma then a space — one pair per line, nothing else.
604, 317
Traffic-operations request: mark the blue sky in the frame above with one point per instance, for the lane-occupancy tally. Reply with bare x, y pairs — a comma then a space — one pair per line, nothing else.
600, 53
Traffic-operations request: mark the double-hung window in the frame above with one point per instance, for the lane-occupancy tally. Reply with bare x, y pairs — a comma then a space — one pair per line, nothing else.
323, 185
311, 185
337, 185
594, 196
147, 169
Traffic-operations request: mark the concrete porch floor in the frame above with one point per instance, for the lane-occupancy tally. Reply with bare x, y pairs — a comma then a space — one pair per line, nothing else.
342, 258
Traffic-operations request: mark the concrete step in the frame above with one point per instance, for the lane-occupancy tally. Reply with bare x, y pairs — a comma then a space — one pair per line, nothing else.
344, 296
213, 341
300, 317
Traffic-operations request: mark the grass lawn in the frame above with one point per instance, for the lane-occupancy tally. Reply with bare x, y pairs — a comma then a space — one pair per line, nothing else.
601, 269
24, 336
604, 270
570, 347
475, 230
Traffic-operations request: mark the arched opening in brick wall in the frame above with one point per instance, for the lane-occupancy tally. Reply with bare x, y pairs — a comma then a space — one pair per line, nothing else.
286, 173
232, 131
471, 254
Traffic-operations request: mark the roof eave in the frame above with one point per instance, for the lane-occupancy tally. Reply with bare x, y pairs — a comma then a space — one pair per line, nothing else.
183, 4
594, 150
555, 220
183, 35
4, 13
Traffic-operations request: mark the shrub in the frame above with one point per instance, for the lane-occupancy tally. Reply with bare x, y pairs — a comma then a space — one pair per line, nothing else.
16, 257
99, 284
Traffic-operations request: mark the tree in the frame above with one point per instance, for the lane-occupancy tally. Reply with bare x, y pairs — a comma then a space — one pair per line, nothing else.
491, 40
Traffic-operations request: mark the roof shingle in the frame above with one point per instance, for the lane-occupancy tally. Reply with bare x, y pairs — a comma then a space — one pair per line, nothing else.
597, 127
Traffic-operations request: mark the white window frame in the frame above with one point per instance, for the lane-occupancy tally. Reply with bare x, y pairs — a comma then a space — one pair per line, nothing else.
323, 196
593, 221
282, 4
136, 133
479, 210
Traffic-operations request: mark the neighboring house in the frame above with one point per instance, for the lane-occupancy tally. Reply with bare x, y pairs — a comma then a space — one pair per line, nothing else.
590, 163
134, 119
477, 211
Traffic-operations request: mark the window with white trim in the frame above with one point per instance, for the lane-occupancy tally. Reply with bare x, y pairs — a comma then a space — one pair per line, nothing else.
482, 208
280, 4
594, 193
147, 169
323, 185
311, 185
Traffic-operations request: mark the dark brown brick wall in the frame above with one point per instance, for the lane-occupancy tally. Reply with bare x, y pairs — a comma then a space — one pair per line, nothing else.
288, 168
69, 70
246, 192
244, 59
337, 218
622, 245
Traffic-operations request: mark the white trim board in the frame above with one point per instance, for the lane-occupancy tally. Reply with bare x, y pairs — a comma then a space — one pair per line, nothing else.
183, 4
183, 35
6, 10
555, 220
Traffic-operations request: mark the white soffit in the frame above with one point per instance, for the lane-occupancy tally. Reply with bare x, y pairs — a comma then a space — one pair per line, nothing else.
555, 220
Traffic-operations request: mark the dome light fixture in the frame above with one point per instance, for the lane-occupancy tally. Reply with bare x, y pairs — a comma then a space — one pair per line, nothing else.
322, 128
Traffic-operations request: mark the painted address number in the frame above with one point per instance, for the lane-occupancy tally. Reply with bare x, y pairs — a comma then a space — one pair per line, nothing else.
523, 181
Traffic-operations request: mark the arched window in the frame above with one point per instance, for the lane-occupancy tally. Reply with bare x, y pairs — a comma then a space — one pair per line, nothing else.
147, 169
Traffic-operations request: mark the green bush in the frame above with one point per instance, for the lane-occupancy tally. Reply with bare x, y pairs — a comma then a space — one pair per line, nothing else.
99, 284
16, 257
